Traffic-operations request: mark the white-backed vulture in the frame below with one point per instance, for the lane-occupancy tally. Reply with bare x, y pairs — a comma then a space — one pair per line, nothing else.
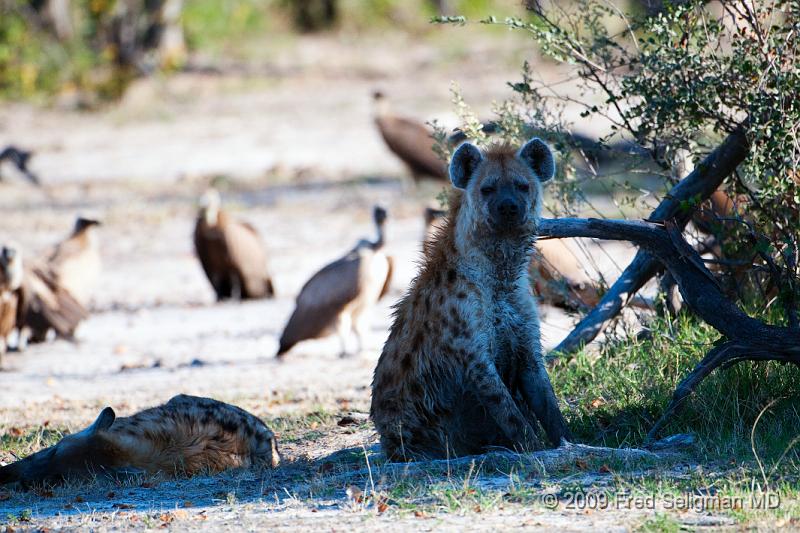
231, 252
40, 304
339, 297
409, 140
75, 262
10, 287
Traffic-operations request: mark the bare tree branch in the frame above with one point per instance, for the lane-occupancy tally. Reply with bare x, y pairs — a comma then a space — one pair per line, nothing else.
746, 338
678, 204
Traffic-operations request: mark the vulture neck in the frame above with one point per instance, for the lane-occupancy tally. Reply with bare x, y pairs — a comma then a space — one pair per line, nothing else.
379, 242
211, 215
88, 234
382, 108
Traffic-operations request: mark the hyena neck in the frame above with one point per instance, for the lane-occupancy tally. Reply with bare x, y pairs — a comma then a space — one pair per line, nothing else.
499, 258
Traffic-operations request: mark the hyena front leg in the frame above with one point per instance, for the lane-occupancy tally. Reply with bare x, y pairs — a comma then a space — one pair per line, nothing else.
495, 397
538, 393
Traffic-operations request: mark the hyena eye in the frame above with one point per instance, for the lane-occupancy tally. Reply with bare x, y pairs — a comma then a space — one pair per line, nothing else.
487, 190
523, 186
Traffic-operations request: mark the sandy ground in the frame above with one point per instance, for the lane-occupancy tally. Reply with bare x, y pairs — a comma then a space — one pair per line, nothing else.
155, 325
155, 331
292, 149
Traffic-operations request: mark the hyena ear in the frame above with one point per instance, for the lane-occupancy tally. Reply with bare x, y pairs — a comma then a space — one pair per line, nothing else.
463, 164
537, 155
104, 420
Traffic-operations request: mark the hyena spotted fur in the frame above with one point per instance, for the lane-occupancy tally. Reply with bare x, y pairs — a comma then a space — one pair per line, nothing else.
462, 369
185, 436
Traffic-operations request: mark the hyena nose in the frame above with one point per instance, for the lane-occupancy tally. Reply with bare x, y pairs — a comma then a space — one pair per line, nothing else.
508, 209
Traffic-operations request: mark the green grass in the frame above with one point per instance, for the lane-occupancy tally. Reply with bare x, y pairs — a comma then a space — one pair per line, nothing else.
16, 442
300, 426
614, 397
660, 523
229, 28
250, 28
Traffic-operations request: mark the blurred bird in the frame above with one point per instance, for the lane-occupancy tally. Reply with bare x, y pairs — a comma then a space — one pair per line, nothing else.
75, 262
45, 305
20, 159
10, 288
340, 296
409, 140
231, 252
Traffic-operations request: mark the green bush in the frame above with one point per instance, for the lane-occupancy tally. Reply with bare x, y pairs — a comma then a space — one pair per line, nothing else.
675, 82
32, 61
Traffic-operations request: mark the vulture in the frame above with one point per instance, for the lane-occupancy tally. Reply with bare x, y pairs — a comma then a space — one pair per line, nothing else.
555, 271
32, 301
10, 293
45, 305
559, 279
20, 160
339, 297
75, 262
409, 140
231, 252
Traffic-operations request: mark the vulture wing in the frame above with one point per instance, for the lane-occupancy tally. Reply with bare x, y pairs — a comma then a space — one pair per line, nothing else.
248, 256
559, 277
48, 305
412, 142
321, 300
210, 250
8, 313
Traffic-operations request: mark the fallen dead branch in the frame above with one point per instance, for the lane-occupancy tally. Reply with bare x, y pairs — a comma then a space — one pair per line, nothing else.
744, 338
568, 454
565, 455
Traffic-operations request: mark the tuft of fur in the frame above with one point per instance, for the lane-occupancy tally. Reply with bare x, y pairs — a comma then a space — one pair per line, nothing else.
185, 436
462, 369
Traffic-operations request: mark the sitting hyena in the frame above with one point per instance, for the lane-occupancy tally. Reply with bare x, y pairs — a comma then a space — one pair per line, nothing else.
185, 436
462, 369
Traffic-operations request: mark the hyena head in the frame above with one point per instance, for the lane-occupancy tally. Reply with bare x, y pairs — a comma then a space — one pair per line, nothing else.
502, 188
74, 454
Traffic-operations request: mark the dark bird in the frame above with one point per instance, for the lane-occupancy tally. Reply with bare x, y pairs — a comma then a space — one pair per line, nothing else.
10, 293
231, 252
340, 297
409, 140
75, 262
19, 158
